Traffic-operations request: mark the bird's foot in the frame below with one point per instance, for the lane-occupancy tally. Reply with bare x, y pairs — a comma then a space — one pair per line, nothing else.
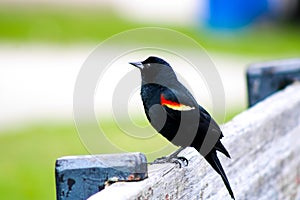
181, 161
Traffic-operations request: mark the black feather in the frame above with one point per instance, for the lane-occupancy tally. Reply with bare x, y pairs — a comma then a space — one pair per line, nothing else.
213, 160
158, 78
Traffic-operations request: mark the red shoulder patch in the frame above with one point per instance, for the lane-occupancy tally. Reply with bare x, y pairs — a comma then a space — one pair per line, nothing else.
174, 105
165, 102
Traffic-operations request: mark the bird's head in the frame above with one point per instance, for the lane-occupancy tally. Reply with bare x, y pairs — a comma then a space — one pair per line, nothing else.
155, 70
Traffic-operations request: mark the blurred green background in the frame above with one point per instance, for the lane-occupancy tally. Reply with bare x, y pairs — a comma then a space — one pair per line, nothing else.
29, 148
68, 25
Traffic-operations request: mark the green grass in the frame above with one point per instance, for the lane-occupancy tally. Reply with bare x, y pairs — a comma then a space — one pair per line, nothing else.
93, 25
28, 155
28, 158
32, 24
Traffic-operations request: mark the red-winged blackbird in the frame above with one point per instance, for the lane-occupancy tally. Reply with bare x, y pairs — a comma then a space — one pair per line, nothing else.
172, 111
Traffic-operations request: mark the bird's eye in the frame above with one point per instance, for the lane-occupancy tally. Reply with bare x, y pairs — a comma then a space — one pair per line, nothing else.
148, 65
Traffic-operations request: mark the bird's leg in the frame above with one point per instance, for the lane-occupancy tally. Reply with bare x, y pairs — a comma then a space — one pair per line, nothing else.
172, 158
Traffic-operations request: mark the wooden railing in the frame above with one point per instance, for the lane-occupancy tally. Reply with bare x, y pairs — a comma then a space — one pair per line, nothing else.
264, 143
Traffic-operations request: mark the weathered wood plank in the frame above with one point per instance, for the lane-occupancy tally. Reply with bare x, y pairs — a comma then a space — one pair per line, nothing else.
79, 177
264, 144
266, 78
162, 182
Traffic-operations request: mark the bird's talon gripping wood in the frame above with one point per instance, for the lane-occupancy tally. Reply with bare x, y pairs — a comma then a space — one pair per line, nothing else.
184, 161
181, 161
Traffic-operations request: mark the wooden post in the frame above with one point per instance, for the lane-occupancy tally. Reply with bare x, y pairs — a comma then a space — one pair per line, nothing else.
78, 177
266, 78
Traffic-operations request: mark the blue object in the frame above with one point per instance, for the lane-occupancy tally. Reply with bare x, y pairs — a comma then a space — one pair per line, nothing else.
231, 14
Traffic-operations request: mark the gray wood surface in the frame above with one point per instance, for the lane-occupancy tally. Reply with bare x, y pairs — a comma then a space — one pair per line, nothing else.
79, 177
264, 143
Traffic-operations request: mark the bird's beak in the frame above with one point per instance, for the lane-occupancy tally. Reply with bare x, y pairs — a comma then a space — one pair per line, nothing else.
137, 64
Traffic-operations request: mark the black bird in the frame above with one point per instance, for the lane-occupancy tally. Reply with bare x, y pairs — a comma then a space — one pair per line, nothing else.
172, 111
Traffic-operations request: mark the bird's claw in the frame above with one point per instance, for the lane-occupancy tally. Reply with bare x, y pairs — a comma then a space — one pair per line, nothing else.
182, 161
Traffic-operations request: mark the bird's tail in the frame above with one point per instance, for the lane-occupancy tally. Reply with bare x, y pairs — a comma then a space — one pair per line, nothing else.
214, 161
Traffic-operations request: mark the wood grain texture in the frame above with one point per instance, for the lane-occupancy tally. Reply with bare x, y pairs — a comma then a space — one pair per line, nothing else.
264, 143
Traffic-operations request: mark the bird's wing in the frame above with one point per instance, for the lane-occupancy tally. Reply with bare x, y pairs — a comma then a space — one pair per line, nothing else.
177, 101
214, 128
206, 118
174, 100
